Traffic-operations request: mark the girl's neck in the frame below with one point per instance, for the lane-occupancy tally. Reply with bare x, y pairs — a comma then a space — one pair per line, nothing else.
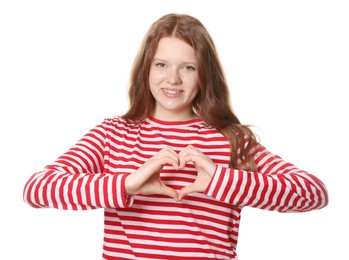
175, 116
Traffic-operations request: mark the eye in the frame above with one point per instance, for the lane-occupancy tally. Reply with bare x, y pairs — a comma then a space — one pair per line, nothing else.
191, 68
160, 64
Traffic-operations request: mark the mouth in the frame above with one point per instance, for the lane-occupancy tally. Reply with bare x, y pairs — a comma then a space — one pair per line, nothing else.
172, 91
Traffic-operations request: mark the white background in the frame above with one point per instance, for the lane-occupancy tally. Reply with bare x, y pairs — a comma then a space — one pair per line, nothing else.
64, 67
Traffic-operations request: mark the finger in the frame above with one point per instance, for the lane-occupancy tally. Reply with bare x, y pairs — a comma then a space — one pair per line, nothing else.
168, 151
184, 157
183, 160
189, 154
170, 161
170, 156
200, 160
185, 191
197, 160
165, 190
187, 150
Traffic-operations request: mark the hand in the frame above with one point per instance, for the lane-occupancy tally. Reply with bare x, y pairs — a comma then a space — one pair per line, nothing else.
146, 180
205, 169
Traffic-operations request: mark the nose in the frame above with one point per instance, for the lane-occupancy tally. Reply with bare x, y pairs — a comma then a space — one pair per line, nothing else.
174, 77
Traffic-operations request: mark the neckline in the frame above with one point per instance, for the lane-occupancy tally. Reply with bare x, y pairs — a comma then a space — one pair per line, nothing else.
159, 122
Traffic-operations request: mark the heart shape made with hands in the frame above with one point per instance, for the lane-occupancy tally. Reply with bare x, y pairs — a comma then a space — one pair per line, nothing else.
146, 180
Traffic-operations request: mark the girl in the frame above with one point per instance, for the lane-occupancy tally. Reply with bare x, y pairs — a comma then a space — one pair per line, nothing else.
174, 173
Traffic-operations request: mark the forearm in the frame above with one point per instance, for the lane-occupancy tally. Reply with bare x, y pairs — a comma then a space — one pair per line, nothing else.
63, 190
277, 186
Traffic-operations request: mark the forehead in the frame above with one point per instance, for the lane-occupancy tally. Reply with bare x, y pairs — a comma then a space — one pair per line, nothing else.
173, 48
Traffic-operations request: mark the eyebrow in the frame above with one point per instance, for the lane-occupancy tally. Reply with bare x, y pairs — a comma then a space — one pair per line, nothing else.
185, 62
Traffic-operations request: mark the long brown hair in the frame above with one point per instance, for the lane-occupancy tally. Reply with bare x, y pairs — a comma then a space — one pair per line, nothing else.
212, 103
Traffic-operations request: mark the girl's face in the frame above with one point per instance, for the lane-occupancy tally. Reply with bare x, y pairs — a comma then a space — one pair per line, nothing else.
173, 80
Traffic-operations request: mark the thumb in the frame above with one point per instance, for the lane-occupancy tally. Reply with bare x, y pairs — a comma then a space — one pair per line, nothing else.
165, 190
185, 191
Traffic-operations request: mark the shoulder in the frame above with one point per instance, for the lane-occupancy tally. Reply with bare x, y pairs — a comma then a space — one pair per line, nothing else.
114, 120
118, 122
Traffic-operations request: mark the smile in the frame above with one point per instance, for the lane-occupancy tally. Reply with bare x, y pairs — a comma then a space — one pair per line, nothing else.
172, 92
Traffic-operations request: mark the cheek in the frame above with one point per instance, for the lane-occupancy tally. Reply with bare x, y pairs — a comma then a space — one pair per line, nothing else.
192, 83
155, 78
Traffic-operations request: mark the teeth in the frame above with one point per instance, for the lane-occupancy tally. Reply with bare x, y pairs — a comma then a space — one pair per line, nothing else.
172, 92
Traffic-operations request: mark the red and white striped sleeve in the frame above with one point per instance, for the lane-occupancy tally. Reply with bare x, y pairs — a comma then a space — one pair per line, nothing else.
77, 180
277, 185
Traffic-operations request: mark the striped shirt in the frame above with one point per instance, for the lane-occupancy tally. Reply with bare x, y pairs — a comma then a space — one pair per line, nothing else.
203, 225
